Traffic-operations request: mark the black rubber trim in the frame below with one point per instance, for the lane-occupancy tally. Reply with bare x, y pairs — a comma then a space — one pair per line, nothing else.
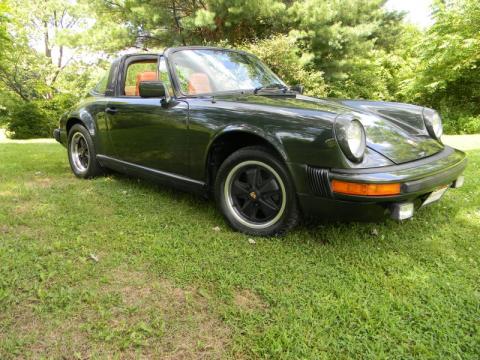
165, 174
56, 135
319, 181
444, 178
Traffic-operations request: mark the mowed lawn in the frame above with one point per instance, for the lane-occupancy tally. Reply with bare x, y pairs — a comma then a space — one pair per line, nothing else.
121, 268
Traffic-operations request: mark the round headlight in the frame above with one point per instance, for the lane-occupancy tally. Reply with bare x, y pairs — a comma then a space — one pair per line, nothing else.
351, 137
433, 123
356, 138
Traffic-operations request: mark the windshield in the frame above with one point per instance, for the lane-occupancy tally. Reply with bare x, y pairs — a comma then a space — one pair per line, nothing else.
205, 71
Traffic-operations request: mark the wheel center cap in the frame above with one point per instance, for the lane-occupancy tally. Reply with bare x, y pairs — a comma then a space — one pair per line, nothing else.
253, 195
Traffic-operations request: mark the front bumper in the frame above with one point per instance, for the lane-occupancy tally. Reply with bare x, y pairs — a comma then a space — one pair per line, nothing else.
417, 178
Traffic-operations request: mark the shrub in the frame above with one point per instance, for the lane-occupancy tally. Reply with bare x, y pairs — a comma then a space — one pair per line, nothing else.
55, 107
3, 115
38, 118
461, 124
26, 120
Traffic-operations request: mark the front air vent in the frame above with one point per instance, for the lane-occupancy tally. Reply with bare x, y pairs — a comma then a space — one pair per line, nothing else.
319, 182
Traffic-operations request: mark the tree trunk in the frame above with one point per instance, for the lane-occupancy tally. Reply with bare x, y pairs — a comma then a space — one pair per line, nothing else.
177, 23
48, 51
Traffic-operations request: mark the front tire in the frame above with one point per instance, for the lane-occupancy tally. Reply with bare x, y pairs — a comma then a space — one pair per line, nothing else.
81, 153
255, 193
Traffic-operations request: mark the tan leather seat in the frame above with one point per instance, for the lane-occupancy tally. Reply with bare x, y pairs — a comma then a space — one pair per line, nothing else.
198, 83
144, 76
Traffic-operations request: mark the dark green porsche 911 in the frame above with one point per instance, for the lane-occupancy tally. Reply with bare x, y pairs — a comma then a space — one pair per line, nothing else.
218, 121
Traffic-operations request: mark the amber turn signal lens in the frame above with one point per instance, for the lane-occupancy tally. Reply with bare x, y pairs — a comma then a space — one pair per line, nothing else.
351, 188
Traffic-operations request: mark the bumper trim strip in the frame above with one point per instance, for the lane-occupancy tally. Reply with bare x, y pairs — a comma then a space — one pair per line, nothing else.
444, 178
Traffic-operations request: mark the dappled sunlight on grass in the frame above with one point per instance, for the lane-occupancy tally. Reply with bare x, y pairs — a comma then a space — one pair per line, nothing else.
76, 251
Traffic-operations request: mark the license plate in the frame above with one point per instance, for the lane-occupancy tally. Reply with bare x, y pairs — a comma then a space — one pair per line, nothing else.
435, 195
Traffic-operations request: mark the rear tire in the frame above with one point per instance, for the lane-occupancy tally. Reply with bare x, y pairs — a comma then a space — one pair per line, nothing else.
81, 153
255, 193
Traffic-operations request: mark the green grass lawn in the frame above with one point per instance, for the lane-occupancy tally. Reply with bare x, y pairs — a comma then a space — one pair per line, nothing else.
121, 268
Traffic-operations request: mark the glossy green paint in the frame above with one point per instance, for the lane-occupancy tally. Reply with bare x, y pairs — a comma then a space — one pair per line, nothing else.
144, 132
176, 136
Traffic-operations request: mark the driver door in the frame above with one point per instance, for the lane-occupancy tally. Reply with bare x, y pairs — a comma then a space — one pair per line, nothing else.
142, 131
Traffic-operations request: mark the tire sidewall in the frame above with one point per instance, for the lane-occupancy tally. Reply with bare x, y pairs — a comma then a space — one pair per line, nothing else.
263, 155
91, 169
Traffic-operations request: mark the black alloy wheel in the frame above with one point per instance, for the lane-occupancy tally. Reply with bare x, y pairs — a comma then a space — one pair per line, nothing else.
255, 193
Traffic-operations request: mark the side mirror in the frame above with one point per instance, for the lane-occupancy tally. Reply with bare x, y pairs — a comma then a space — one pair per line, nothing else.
297, 88
151, 89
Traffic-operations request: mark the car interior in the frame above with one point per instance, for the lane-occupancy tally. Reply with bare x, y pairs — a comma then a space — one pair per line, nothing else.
198, 82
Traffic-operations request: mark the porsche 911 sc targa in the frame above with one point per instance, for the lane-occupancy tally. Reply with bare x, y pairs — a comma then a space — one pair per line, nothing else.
219, 122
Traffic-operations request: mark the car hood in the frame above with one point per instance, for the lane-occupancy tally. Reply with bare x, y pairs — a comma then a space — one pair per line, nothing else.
394, 130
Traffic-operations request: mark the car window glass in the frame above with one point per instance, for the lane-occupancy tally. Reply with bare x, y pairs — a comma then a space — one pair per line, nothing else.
184, 73
139, 71
101, 87
164, 76
208, 71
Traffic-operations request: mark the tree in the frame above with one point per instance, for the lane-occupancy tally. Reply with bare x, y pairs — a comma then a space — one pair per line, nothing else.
4, 46
447, 75
159, 23
343, 39
50, 23
340, 48
4, 38
283, 56
33, 79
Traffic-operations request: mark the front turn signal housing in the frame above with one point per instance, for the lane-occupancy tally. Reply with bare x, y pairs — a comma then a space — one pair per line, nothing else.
362, 189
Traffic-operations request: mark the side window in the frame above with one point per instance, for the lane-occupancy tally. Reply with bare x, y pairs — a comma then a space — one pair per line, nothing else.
144, 70
164, 76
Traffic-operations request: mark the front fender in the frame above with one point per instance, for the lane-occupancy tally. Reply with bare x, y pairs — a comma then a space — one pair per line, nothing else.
408, 117
253, 130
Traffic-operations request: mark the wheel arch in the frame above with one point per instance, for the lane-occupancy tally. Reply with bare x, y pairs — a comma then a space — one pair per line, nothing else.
232, 139
72, 121
82, 117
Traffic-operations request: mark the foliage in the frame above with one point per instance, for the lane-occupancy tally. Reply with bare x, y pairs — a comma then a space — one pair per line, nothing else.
151, 23
447, 76
38, 85
28, 121
115, 268
24, 72
338, 48
36, 118
283, 56
343, 39
455, 122
4, 37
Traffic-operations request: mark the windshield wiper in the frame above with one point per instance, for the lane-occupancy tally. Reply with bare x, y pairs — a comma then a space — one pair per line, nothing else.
274, 86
